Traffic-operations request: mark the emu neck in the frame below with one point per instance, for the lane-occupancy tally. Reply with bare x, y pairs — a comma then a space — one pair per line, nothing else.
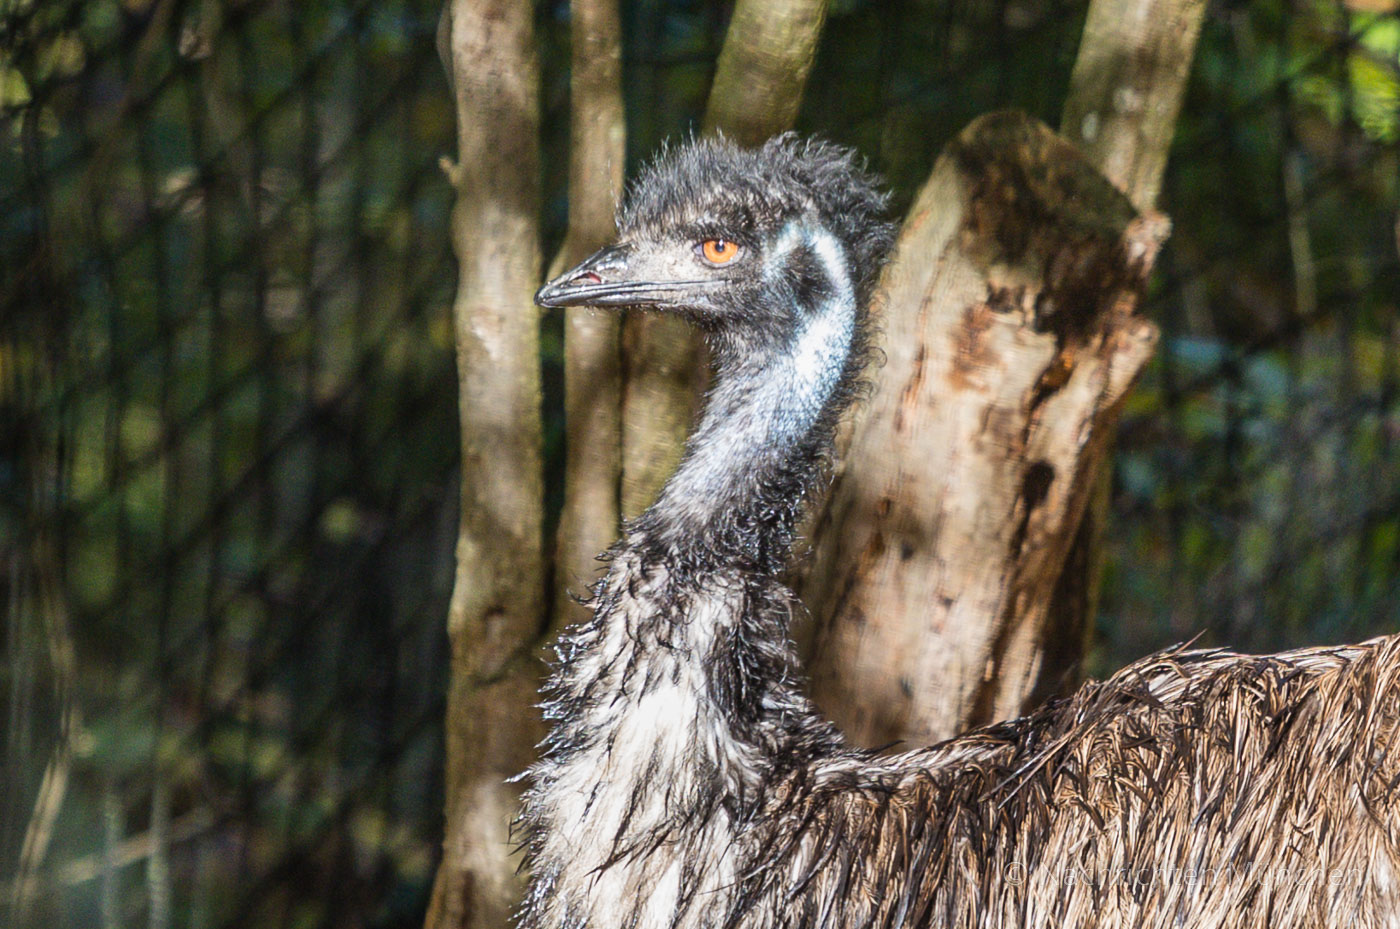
678, 703
768, 421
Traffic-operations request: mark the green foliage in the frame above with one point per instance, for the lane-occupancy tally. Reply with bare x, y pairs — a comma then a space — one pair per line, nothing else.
1363, 83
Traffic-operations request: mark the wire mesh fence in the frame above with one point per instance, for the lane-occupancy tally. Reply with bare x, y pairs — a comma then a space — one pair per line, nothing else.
226, 275
228, 399
1259, 474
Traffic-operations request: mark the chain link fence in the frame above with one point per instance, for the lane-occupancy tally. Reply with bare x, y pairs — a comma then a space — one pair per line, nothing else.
228, 399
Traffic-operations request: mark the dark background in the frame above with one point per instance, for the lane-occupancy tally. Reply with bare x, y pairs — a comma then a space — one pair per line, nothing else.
227, 398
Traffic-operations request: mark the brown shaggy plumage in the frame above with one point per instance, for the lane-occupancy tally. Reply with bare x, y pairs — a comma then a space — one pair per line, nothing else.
1195, 789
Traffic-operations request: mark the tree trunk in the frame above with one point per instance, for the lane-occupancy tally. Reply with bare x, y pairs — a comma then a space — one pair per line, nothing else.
1126, 89
498, 600
1011, 343
762, 69
1125, 95
1124, 98
592, 363
759, 81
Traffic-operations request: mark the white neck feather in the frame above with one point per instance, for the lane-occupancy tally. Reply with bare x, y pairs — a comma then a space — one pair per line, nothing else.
761, 410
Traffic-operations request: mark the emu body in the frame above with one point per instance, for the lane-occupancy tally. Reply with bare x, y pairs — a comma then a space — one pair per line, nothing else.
687, 782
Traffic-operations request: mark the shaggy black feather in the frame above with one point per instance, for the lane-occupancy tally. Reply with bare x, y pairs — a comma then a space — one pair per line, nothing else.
713, 188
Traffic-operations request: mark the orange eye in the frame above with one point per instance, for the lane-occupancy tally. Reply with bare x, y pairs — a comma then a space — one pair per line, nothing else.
719, 251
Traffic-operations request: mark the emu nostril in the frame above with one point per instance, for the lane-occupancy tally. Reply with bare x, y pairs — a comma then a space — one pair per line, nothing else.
591, 278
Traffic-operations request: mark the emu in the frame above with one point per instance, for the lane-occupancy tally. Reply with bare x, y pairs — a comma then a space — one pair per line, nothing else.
687, 781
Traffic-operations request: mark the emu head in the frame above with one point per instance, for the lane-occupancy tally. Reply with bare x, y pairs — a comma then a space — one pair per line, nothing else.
742, 242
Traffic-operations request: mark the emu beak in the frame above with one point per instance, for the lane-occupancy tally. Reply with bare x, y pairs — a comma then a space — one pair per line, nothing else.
610, 278
601, 280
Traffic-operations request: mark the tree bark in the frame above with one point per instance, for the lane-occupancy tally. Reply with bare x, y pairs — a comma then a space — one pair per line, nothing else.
762, 69
498, 600
1126, 89
759, 81
1011, 342
592, 363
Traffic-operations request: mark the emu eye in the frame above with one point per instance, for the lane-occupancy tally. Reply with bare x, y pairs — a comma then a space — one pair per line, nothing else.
719, 251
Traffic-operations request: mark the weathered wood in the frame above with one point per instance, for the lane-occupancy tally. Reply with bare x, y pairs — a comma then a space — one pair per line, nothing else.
592, 359
1011, 341
759, 81
498, 600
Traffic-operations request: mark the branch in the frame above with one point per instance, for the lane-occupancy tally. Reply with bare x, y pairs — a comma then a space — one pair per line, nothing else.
124, 852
